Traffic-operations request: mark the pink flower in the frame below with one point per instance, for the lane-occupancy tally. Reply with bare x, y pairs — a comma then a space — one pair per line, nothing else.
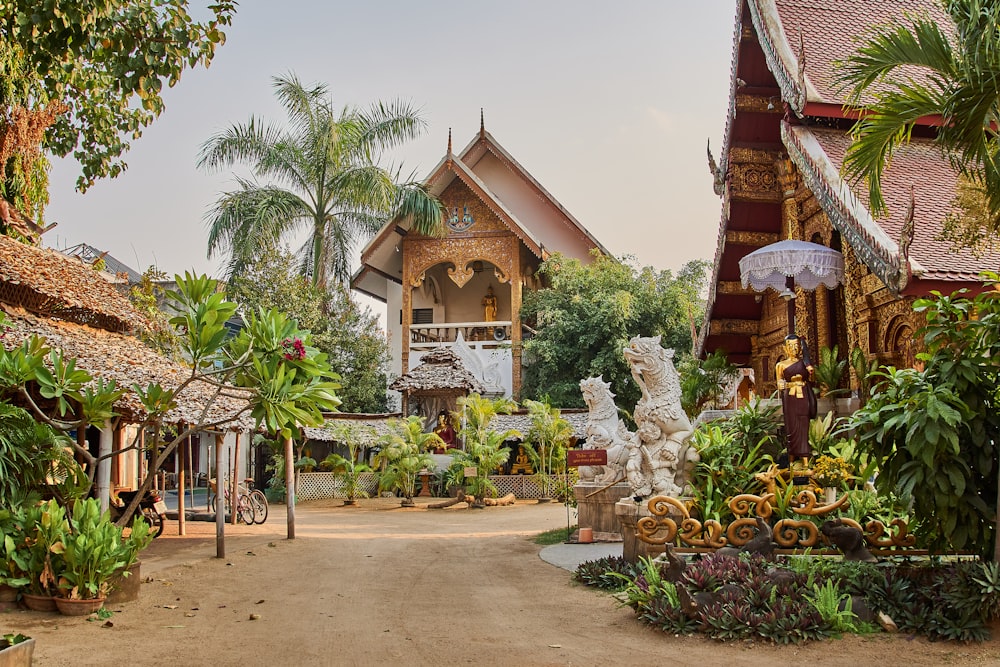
294, 349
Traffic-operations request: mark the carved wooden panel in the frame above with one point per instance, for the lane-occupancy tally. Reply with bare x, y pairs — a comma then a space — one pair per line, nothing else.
458, 195
753, 182
423, 253
741, 327
732, 287
759, 104
758, 239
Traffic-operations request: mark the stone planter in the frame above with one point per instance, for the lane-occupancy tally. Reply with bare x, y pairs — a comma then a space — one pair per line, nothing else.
18, 655
125, 589
68, 607
39, 602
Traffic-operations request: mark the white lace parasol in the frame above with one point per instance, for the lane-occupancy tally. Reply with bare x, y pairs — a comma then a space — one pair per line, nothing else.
809, 264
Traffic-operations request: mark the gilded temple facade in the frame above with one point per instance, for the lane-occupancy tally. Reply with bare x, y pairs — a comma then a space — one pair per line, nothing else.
464, 289
779, 177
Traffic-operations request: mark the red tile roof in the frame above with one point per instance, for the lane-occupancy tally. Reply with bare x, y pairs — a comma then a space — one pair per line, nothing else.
830, 31
920, 166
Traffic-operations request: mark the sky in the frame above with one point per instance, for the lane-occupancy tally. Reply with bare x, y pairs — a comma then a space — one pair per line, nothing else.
608, 105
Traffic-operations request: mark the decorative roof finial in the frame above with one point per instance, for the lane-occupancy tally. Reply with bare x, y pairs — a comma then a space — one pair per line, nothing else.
449, 141
482, 124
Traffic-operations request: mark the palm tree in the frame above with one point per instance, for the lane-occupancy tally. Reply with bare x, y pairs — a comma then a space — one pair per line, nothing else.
404, 455
319, 174
548, 437
957, 79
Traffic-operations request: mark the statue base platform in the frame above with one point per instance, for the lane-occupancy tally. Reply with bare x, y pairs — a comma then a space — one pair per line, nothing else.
628, 512
597, 511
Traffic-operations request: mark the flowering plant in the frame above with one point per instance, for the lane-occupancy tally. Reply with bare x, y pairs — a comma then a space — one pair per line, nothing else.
831, 471
295, 349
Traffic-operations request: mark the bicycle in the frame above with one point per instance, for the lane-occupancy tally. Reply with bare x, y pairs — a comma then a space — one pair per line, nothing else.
251, 504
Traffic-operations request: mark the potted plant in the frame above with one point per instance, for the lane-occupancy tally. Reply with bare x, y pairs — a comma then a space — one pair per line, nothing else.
45, 527
404, 455
831, 473
347, 470
94, 553
13, 556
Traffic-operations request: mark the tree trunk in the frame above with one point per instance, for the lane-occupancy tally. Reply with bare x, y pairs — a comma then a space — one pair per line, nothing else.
460, 498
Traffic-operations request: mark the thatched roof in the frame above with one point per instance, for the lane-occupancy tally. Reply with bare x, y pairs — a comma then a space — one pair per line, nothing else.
49, 283
379, 424
440, 371
521, 422
127, 361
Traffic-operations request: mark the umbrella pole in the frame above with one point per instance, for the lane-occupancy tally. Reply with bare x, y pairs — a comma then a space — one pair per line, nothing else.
790, 286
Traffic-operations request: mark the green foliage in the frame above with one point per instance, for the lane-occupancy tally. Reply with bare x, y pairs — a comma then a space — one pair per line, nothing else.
726, 469
647, 584
833, 606
755, 424
348, 334
988, 579
108, 62
829, 371
404, 455
704, 381
33, 454
12, 639
865, 373
590, 312
146, 296
934, 432
960, 82
484, 448
347, 468
609, 573
320, 172
548, 438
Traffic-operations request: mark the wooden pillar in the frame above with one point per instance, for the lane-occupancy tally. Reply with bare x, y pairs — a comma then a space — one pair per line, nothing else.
823, 328
788, 180
220, 514
181, 465
407, 313
234, 483
516, 295
290, 486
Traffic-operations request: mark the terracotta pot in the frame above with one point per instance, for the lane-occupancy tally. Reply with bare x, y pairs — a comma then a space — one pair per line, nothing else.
586, 535
68, 607
39, 602
8, 593
18, 655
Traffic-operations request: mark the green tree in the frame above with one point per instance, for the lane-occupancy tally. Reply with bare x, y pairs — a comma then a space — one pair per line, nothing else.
318, 175
703, 381
906, 72
349, 334
934, 433
587, 316
548, 437
287, 381
86, 76
482, 447
404, 455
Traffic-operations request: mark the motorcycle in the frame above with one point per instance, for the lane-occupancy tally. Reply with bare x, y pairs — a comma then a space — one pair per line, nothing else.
151, 507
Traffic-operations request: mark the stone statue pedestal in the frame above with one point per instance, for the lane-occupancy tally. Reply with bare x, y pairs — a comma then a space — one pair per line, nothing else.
598, 511
628, 513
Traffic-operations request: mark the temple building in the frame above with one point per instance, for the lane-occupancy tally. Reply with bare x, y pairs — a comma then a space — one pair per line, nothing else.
779, 177
463, 290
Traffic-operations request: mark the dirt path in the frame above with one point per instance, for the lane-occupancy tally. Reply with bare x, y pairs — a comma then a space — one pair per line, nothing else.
377, 585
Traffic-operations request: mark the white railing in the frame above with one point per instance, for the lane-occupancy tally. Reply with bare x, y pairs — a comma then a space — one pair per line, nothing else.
482, 335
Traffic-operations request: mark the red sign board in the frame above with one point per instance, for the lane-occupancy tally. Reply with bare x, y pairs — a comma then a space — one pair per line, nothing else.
586, 457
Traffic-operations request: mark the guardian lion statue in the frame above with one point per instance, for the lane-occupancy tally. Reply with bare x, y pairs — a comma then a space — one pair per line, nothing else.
660, 459
604, 431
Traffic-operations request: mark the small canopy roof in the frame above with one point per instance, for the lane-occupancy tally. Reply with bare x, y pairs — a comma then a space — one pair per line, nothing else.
440, 372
